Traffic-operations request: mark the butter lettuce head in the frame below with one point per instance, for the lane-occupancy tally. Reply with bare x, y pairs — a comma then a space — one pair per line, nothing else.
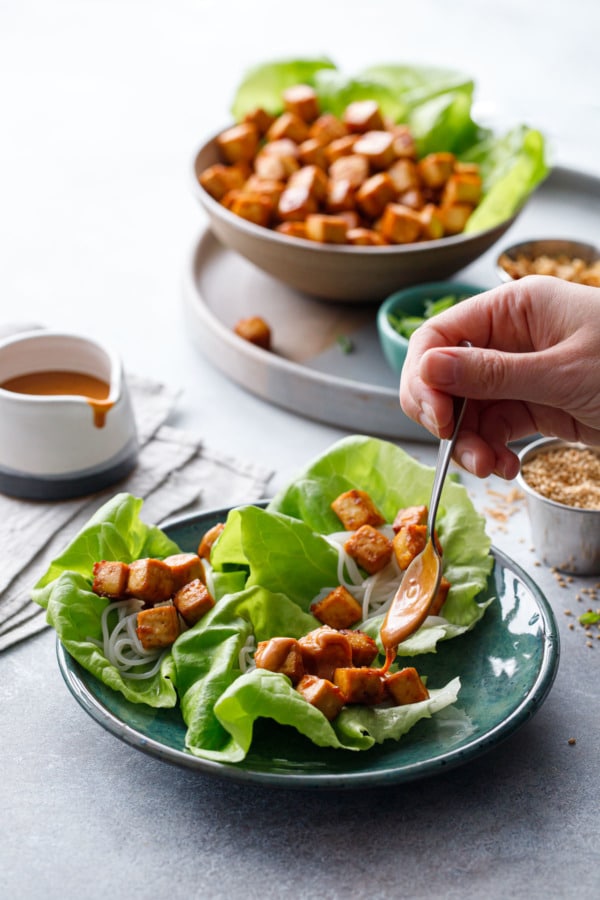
435, 102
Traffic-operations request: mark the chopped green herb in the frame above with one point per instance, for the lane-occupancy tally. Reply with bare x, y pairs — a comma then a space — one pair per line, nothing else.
345, 344
589, 618
407, 325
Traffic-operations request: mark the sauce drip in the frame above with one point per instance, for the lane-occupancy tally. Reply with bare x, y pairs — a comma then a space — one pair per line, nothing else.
413, 599
65, 383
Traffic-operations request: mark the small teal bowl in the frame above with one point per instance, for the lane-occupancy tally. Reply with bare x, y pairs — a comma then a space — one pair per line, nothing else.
411, 301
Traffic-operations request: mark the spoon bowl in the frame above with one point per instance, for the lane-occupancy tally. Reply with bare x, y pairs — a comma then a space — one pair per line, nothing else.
420, 583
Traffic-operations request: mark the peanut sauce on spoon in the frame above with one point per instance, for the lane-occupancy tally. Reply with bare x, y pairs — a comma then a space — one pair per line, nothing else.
93, 390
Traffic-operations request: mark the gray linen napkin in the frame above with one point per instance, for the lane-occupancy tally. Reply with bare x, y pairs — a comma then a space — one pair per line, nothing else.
176, 472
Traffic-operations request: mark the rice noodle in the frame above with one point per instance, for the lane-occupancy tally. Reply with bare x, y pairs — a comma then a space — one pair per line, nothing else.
208, 574
121, 645
246, 654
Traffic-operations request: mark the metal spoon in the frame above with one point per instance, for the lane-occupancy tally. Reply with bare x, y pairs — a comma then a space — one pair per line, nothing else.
421, 579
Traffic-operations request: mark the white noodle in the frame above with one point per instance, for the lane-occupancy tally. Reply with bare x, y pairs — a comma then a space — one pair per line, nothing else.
122, 646
208, 574
246, 654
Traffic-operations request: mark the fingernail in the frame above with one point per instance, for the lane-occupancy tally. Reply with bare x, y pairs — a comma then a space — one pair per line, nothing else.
443, 373
427, 419
467, 461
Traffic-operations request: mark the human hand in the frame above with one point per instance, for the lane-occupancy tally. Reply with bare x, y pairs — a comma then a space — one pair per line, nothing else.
534, 366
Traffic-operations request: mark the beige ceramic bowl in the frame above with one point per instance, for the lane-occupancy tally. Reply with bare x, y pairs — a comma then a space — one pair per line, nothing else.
337, 272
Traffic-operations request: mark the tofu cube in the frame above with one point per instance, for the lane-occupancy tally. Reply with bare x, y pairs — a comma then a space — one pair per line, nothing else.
255, 330
378, 147
281, 654
302, 100
324, 650
371, 549
455, 216
326, 229
408, 542
440, 597
342, 146
374, 194
240, 142
296, 203
341, 197
364, 237
253, 207
436, 168
339, 609
288, 125
462, 188
313, 179
410, 515
292, 229
110, 578
312, 153
404, 143
405, 687
360, 685
355, 508
208, 540
363, 115
261, 119
185, 567
157, 627
352, 168
323, 694
193, 601
219, 179
405, 175
400, 224
432, 222
327, 128
364, 649
268, 187
414, 199
150, 580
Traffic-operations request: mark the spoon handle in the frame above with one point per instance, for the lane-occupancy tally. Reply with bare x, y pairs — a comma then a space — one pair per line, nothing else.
443, 460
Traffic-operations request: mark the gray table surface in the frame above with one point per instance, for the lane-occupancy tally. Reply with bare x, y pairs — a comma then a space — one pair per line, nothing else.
102, 107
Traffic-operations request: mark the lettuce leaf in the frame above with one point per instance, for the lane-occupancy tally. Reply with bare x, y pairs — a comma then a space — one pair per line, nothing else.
263, 85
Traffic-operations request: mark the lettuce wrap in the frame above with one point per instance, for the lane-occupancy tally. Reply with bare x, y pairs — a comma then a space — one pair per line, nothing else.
267, 566
436, 103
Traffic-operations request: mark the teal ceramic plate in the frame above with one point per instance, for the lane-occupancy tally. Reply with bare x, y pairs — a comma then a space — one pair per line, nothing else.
506, 664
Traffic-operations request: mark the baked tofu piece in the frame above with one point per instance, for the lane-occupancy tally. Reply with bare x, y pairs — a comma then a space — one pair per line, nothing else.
455, 216
364, 237
326, 128
324, 650
323, 694
374, 194
219, 179
288, 125
432, 222
364, 649
371, 549
341, 197
462, 188
404, 143
339, 609
150, 580
342, 146
157, 627
353, 169
313, 178
410, 515
408, 542
255, 330
355, 508
311, 152
400, 224
110, 578
440, 597
261, 119
296, 203
360, 685
208, 540
414, 199
240, 142
193, 601
378, 147
185, 567
292, 229
436, 168
404, 174
268, 187
405, 687
281, 155
253, 207
363, 115
302, 100
281, 654
326, 229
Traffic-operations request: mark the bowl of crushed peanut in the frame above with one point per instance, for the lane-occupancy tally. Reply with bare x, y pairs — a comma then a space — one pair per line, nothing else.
561, 483
571, 260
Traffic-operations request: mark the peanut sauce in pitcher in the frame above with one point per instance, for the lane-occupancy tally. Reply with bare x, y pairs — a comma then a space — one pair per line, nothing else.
93, 390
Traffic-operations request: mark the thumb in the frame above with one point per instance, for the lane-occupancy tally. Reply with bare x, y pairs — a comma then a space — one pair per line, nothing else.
483, 374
